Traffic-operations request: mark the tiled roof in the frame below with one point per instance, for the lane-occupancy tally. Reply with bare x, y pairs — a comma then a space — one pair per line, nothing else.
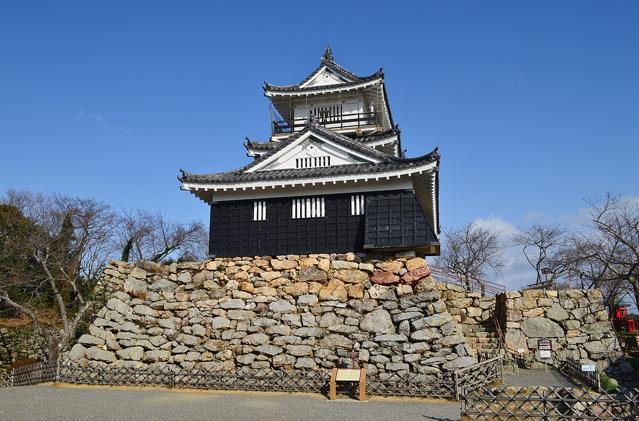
259, 146
387, 163
328, 62
266, 146
241, 176
378, 136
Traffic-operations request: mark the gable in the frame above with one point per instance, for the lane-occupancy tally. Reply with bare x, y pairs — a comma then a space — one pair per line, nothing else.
325, 77
310, 151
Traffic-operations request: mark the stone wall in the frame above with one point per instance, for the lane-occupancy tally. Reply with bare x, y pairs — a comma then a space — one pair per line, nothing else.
575, 320
292, 312
474, 313
17, 342
468, 308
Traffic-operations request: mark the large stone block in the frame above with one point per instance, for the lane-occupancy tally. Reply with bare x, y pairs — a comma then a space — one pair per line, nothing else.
460, 362
283, 264
428, 335
312, 274
435, 320
392, 266
240, 314
415, 275
335, 290
351, 276
335, 340
270, 350
134, 353
77, 353
98, 354
341, 264
255, 339
557, 313
416, 263
380, 277
541, 327
515, 340
377, 321
382, 292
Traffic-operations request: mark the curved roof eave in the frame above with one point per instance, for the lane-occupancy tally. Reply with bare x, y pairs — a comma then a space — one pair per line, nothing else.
273, 90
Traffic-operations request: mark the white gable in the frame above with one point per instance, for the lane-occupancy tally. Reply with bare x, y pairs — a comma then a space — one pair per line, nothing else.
312, 150
325, 77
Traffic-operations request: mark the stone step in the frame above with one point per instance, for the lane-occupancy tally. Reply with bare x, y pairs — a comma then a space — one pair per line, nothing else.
478, 329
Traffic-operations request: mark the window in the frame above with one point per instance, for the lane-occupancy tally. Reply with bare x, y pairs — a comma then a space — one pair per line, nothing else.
313, 162
310, 207
357, 204
259, 210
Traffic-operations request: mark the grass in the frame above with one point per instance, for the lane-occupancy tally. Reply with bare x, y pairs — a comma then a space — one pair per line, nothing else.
607, 384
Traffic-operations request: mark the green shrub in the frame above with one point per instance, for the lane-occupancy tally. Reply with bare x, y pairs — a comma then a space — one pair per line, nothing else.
607, 383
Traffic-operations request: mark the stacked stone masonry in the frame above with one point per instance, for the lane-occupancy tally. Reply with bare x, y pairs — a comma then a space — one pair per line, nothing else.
19, 343
575, 321
475, 315
291, 312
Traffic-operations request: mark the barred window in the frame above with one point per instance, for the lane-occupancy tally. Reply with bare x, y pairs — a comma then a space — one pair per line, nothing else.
313, 162
259, 210
310, 207
357, 204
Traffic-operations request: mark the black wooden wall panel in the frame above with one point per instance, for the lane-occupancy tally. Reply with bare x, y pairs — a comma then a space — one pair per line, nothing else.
391, 220
234, 233
396, 220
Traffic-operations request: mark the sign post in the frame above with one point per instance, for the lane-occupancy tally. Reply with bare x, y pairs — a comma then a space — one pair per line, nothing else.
357, 375
544, 346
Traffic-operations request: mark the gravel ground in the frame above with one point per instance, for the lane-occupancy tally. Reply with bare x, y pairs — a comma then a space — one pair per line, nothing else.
65, 402
526, 377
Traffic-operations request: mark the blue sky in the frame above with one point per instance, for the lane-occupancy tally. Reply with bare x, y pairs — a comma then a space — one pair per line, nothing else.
534, 105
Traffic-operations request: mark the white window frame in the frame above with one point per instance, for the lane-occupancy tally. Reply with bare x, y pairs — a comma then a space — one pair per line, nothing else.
259, 210
308, 207
357, 204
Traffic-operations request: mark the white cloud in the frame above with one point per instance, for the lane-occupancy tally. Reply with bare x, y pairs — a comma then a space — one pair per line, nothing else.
83, 115
516, 271
100, 120
498, 225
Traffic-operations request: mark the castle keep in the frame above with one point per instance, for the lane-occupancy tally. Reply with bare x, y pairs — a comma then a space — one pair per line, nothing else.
332, 178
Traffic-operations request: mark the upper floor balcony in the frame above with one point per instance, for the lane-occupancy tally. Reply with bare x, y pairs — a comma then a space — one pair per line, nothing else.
364, 122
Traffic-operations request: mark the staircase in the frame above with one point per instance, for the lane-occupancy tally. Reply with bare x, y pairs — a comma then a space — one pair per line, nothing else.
482, 337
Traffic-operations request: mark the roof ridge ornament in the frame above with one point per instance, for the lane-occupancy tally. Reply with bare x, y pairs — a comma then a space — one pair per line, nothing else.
328, 55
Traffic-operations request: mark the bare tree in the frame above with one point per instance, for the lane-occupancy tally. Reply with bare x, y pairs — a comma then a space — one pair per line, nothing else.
470, 252
540, 245
146, 236
586, 265
616, 221
606, 256
65, 242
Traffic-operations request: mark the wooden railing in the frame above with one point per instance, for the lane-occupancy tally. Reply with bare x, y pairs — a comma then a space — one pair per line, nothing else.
478, 375
337, 121
548, 403
447, 386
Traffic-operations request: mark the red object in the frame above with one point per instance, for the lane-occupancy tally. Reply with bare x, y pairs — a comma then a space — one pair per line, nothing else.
621, 313
631, 326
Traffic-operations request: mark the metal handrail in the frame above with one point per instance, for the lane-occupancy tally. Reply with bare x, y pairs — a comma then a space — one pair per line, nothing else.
573, 369
469, 284
502, 340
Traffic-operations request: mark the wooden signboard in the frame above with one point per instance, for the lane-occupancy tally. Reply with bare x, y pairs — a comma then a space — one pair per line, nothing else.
545, 347
348, 375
